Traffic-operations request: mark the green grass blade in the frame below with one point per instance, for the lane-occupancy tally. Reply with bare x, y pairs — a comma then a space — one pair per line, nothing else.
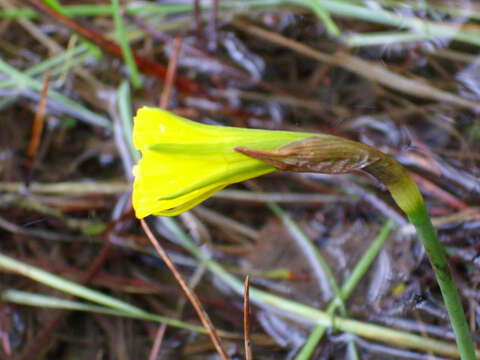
70, 106
323, 15
383, 38
125, 112
55, 5
122, 39
17, 14
311, 251
43, 301
12, 265
262, 298
347, 288
77, 56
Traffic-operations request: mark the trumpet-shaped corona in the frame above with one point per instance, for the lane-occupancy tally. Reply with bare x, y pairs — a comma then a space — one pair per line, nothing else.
184, 162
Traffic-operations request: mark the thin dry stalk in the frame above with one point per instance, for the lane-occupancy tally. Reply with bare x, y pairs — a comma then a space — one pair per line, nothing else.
367, 69
158, 341
198, 19
171, 71
7, 348
37, 129
246, 320
202, 314
439, 193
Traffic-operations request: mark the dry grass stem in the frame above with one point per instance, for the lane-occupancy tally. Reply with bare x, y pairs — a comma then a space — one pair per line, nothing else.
171, 71
246, 320
158, 342
37, 129
202, 314
367, 69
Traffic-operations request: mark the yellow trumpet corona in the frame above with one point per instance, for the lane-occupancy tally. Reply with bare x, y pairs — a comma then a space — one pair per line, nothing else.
184, 162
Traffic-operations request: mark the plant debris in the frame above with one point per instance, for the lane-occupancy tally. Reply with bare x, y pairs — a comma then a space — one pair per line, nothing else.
400, 76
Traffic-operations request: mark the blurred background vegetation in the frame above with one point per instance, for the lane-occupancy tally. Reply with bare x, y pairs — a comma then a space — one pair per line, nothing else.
402, 76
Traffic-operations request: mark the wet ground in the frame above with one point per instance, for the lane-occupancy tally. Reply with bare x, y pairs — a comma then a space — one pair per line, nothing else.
403, 77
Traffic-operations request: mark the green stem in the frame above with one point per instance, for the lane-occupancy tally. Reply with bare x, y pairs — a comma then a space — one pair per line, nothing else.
408, 197
318, 152
435, 253
324, 16
127, 52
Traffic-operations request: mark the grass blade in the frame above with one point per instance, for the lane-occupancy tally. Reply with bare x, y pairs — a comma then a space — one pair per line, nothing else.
69, 106
122, 39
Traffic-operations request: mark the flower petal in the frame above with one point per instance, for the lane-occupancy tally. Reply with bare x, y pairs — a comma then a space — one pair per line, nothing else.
184, 162
165, 181
156, 126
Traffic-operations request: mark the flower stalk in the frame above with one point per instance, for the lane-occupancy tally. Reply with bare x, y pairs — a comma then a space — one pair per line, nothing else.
337, 155
184, 163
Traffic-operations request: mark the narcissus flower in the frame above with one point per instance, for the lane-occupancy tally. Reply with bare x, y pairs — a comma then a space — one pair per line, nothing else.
184, 162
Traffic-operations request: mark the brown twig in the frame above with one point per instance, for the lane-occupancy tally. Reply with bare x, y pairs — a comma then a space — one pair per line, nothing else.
158, 341
439, 193
198, 19
202, 314
37, 130
147, 66
171, 72
246, 320
4, 336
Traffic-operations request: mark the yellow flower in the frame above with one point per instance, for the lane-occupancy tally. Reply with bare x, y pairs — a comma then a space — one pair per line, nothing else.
184, 162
